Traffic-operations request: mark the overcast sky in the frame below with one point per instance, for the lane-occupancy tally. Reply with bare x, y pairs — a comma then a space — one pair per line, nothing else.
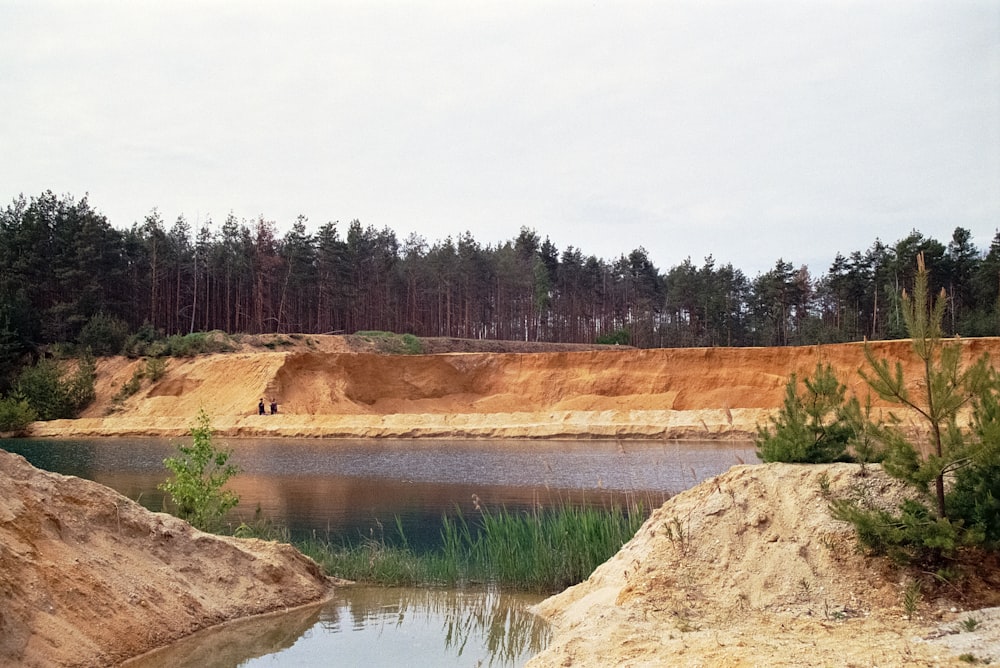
747, 130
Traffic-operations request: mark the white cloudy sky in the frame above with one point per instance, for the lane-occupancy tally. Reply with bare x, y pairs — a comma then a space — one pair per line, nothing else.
748, 130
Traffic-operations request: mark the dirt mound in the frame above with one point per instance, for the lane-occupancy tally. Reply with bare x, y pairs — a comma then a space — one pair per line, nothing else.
750, 569
325, 389
89, 578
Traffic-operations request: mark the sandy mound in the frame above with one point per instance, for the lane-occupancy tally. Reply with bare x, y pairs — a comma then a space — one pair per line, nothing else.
89, 578
749, 569
325, 389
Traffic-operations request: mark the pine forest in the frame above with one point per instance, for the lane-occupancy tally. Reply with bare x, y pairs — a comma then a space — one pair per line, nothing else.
62, 264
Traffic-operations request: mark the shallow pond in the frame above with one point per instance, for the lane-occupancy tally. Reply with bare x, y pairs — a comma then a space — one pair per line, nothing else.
373, 627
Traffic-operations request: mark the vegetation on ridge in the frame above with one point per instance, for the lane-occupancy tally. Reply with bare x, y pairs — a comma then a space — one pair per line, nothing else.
70, 279
68, 276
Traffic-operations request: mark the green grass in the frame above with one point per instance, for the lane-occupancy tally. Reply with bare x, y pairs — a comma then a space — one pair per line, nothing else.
392, 343
540, 550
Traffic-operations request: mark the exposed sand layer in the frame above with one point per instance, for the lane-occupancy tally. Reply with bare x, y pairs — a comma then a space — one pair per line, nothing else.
326, 390
90, 578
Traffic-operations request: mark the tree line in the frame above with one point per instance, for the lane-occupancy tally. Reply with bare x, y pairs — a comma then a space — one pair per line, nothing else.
62, 264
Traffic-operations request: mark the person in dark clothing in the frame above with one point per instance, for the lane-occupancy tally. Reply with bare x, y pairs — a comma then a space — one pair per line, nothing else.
260, 407
274, 406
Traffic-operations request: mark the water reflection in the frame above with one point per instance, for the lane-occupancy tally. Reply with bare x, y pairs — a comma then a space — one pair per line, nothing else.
373, 627
235, 643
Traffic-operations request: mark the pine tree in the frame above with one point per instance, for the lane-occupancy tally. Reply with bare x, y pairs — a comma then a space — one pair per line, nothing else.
944, 389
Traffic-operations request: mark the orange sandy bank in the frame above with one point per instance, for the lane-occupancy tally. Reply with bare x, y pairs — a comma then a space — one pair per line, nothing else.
325, 390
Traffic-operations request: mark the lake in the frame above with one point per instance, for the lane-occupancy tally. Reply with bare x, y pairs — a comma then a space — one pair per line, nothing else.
343, 490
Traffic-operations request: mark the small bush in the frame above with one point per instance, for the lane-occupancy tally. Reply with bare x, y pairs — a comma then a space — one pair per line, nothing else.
104, 335
15, 414
912, 535
156, 367
974, 500
81, 384
912, 596
141, 342
412, 345
619, 337
128, 388
277, 342
393, 344
809, 428
200, 471
149, 342
969, 624
54, 395
41, 386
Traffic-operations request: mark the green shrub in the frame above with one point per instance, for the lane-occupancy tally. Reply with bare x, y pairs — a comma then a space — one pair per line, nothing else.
129, 388
81, 384
619, 337
927, 531
156, 367
200, 472
865, 440
15, 414
810, 427
42, 387
974, 498
104, 335
910, 535
393, 344
141, 342
54, 395
276, 342
412, 345
149, 342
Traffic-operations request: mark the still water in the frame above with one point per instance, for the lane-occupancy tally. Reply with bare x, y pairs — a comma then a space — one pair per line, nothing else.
373, 627
343, 490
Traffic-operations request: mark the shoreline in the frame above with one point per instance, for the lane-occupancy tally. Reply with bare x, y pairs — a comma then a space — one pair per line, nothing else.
699, 425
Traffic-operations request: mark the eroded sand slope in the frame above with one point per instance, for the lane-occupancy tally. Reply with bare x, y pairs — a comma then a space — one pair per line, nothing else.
324, 391
750, 569
89, 577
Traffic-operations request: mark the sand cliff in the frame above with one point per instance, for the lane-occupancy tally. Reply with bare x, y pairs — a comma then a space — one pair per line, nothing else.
326, 389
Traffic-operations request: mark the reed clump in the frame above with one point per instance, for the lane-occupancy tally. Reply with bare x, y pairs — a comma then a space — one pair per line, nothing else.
540, 550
